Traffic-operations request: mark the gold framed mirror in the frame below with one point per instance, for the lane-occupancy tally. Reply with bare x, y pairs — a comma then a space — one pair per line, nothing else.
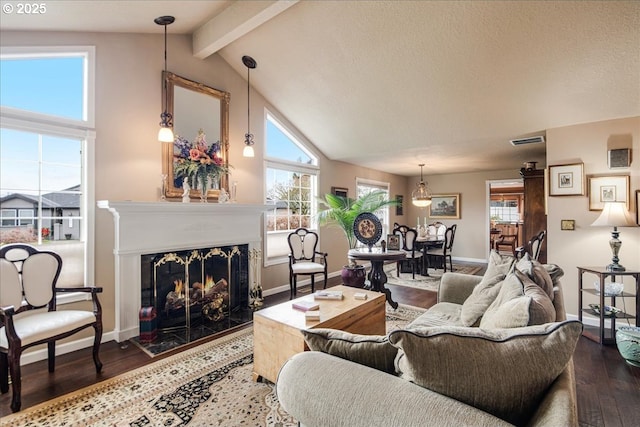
195, 107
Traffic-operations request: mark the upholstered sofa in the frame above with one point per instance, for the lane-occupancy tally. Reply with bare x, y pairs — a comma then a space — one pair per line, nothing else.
437, 371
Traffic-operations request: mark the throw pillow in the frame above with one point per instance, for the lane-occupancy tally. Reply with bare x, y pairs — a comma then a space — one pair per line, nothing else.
536, 272
505, 372
374, 351
541, 309
483, 294
499, 264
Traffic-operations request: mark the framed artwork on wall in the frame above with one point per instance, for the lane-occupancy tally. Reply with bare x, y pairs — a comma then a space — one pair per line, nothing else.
399, 207
445, 206
566, 180
604, 189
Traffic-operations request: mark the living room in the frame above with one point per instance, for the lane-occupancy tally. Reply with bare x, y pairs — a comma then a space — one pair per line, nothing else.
128, 157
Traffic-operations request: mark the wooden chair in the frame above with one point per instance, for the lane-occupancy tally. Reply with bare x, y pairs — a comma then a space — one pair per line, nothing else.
532, 247
408, 245
445, 251
302, 259
29, 279
507, 242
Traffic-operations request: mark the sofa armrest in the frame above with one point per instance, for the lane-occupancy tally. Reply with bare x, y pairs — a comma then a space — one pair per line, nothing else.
322, 390
559, 406
456, 287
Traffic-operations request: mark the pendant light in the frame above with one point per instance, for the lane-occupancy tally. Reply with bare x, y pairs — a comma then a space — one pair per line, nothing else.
166, 120
250, 63
421, 196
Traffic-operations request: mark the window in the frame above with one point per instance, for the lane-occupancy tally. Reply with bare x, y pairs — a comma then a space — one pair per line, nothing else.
46, 161
290, 185
365, 186
505, 210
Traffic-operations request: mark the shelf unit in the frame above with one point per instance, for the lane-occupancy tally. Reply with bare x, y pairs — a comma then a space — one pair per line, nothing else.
602, 334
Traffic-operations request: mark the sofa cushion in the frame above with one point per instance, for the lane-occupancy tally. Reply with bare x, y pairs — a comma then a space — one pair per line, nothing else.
441, 314
504, 372
374, 351
519, 303
536, 272
498, 264
480, 299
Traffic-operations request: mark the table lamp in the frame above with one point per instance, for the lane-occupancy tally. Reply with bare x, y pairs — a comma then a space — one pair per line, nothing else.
614, 214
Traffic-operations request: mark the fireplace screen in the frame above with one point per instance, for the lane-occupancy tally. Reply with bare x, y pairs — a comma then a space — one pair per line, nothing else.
202, 291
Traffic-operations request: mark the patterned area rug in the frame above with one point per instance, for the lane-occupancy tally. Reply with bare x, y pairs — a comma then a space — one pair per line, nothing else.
207, 385
429, 282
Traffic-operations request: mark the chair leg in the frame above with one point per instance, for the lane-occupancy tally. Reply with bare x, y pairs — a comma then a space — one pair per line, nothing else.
413, 269
51, 355
4, 373
16, 379
325, 280
313, 283
450, 263
96, 345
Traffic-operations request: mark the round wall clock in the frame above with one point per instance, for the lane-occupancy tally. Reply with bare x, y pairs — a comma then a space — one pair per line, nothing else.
367, 229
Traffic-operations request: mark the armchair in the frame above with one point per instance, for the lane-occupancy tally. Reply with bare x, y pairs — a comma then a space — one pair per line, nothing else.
29, 279
302, 259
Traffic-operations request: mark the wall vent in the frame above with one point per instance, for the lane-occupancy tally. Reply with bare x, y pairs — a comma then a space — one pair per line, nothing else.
529, 140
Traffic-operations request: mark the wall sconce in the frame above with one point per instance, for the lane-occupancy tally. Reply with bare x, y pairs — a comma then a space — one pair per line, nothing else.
614, 214
421, 196
250, 63
165, 134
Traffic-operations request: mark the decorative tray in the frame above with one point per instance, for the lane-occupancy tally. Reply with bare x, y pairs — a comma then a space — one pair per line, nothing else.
608, 310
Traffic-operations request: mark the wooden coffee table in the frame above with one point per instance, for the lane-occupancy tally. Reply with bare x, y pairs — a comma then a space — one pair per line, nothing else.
276, 330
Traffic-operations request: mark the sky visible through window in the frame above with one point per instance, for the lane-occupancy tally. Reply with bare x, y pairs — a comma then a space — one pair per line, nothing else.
53, 86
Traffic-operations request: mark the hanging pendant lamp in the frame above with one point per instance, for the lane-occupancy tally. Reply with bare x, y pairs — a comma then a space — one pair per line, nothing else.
165, 134
250, 63
421, 196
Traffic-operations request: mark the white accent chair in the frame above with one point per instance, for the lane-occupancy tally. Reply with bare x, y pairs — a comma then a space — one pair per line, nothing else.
303, 244
28, 315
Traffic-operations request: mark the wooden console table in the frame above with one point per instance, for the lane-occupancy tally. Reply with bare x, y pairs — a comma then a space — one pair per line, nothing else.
601, 334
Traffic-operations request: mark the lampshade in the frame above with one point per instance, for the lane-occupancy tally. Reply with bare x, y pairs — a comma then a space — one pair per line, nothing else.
421, 196
248, 151
165, 134
614, 214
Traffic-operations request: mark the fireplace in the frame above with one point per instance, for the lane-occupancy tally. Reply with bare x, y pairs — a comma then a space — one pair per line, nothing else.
147, 233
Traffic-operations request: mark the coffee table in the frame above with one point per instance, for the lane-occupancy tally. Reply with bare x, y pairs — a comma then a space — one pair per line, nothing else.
276, 329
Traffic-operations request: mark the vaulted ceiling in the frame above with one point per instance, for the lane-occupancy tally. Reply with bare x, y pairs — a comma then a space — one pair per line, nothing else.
390, 84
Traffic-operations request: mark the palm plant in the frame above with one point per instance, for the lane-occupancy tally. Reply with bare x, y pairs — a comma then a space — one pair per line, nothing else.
342, 211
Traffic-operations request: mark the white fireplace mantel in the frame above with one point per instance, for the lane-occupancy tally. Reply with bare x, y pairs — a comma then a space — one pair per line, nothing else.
151, 227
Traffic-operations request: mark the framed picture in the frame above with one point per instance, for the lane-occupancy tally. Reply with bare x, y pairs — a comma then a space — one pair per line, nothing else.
393, 242
619, 158
340, 191
444, 206
567, 224
566, 180
399, 207
608, 189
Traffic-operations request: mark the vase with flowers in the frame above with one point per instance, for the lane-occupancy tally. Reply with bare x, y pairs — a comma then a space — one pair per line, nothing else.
199, 163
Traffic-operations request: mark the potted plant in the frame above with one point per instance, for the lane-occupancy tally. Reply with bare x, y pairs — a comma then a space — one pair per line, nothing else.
341, 212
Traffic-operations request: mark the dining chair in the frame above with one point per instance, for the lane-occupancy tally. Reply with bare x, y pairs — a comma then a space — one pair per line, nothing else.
445, 251
303, 245
507, 242
29, 278
532, 247
409, 247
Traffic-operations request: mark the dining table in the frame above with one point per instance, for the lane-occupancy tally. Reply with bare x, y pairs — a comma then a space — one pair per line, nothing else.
426, 242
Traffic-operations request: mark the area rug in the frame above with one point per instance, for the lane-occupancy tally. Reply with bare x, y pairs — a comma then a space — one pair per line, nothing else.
429, 282
207, 385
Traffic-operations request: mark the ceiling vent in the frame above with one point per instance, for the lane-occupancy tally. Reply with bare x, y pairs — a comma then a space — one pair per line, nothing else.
529, 140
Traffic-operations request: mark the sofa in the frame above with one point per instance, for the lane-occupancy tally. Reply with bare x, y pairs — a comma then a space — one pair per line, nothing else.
473, 359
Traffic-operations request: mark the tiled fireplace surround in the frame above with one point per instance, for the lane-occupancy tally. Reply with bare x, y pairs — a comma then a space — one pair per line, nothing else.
148, 227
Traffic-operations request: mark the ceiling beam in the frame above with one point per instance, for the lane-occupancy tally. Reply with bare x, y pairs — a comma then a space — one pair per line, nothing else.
234, 22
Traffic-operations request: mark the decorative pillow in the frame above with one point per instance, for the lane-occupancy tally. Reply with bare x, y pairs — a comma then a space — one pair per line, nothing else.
541, 309
554, 271
483, 294
499, 264
536, 272
504, 372
374, 351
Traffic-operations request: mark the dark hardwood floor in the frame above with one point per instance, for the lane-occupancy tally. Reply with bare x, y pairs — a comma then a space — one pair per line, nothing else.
608, 388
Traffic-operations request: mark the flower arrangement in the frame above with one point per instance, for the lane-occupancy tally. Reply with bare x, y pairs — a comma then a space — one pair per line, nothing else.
198, 162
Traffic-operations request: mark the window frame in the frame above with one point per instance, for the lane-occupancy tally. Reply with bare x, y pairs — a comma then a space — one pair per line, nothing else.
380, 185
65, 127
282, 164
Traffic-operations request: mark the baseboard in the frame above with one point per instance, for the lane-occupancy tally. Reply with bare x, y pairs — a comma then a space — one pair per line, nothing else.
286, 287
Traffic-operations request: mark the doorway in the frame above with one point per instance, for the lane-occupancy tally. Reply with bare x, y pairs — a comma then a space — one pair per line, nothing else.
505, 202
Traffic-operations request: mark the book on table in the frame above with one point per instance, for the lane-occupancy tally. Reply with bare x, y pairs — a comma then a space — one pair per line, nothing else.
333, 295
306, 305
